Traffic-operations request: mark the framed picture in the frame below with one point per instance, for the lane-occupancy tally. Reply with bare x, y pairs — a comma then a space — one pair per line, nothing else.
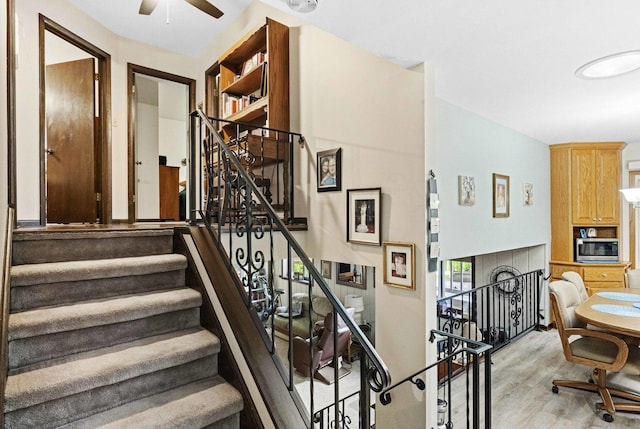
363, 216
466, 191
329, 170
399, 267
351, 275
527, 194
500, 195
325, 268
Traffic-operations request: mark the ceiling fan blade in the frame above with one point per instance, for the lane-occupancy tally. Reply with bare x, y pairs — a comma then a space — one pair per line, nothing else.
206, 7
147, 6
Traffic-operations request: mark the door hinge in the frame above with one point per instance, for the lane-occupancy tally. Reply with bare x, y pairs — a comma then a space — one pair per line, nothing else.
97, 76
98, 196
133, 89
134, 198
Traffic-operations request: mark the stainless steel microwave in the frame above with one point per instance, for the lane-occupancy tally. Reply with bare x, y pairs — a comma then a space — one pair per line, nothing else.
597, 250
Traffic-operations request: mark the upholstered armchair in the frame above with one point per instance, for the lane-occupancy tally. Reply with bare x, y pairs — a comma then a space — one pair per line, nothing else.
311, 362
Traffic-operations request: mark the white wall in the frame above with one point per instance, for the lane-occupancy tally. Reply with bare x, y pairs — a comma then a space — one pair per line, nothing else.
469, 145
629, 153
121, 50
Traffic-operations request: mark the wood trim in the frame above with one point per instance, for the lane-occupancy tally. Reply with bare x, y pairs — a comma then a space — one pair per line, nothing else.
5, 302
132, 69
103, 161
211, 104
11, 104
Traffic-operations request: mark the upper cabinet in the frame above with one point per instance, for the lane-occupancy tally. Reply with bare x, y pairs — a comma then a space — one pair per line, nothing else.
585, 192
595, 182
253, 83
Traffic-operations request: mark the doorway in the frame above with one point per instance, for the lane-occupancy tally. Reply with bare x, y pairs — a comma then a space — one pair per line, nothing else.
159, 106
75, 184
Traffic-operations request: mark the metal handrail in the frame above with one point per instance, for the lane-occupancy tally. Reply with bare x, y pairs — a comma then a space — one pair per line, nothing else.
379, 377
479, 348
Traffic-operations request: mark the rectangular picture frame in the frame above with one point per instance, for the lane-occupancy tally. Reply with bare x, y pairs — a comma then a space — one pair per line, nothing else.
363, 216
527, 194
500, 195
329, 166
399, 264
325, 269
466, 191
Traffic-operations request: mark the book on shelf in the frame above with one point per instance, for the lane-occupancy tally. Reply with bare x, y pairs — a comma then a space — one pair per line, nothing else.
263, 80
253, 62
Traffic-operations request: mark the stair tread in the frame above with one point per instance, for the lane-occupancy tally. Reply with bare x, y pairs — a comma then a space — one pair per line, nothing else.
98, 312
110, 365
194, 405
52, 272
71, 234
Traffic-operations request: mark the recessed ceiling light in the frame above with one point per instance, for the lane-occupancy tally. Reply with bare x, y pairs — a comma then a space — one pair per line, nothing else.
610, 66
302, 6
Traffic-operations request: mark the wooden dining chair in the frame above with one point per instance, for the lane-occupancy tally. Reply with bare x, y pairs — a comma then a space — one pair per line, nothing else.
632, 279
576, 279
596, 349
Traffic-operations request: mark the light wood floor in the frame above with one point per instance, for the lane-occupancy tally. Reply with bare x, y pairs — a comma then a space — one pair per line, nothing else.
522, 374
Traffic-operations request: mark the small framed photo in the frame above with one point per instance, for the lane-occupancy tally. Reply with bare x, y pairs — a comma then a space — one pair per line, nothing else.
399, 267
466, 191
325, 268
500, 195
363, 216
527, 194
329, 170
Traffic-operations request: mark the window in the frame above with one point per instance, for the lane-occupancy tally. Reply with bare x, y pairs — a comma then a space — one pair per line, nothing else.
456, 275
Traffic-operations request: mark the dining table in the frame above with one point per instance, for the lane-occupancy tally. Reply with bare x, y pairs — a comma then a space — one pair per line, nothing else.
615, 310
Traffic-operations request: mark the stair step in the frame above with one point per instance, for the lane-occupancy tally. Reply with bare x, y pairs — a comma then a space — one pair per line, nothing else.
56, 412
90, 370
35, 352
39, 273
100, 312
189, 406
45, 246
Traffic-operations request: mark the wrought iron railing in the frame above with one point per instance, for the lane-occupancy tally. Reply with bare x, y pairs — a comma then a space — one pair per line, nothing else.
244, 224
475, 411
495, 313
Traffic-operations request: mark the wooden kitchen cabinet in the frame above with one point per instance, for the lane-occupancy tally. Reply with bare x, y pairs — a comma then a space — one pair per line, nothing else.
595, 276
585, 193
595, 182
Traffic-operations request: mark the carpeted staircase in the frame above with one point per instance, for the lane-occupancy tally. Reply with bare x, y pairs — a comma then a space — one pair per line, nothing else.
103, 333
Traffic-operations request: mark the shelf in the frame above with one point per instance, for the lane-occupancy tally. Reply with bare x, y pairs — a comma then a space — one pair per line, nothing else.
252, 43
253, 111
247, 84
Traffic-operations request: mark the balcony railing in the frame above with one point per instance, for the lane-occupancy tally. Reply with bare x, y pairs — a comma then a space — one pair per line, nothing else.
244, 224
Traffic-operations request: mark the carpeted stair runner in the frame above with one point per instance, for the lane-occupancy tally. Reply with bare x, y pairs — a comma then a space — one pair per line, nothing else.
111, 339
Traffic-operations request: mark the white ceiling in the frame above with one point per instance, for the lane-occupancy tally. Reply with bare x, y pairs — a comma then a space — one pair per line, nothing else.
511, 61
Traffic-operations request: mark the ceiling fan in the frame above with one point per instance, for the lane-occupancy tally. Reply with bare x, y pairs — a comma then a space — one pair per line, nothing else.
148, 6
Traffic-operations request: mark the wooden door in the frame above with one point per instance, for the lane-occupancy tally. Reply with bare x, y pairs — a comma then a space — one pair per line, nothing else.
583, 186
70, 165
608, 186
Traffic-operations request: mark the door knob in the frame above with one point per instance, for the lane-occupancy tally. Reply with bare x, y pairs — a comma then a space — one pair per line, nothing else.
138, 162
49, 151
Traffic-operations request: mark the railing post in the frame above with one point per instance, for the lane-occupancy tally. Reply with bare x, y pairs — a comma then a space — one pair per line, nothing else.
192, 168
487, 389
365, 393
